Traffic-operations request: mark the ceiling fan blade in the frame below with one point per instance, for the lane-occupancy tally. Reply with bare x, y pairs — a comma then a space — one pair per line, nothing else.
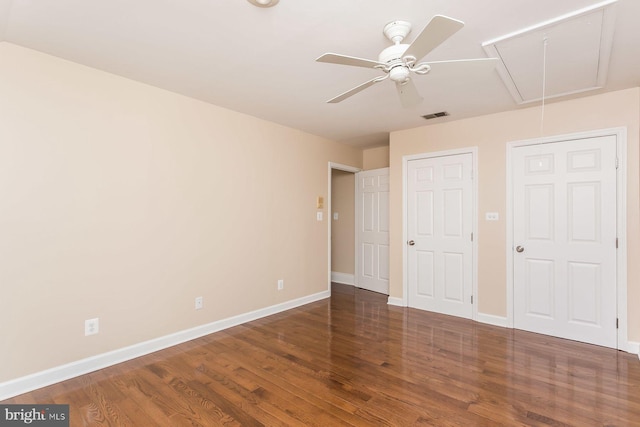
334, 58
437, 30
466, 66
355, 90
408, 93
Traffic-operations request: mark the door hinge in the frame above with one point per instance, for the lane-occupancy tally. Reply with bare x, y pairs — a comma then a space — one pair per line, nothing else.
616, 243
472, 237
471, 299
617, 323
616, 163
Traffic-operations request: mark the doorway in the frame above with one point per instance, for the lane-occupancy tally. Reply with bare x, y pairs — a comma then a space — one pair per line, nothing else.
342, 220
358, 211
341, 224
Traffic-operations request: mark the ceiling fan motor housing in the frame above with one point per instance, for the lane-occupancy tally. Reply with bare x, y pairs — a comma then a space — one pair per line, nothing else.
392, 56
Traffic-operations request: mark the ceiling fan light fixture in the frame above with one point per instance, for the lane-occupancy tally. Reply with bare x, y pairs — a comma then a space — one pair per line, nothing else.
399, 74
264, 3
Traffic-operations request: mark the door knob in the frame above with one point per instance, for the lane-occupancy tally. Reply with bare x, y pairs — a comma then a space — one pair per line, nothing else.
411, 243
519, 249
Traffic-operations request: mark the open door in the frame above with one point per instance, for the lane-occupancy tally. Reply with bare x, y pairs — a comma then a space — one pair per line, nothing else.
372, 230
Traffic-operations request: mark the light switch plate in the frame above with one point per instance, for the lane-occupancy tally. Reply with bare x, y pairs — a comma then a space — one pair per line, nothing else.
335, 216
319, 216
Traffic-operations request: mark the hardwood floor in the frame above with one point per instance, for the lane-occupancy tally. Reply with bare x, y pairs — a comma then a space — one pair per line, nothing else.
354, 360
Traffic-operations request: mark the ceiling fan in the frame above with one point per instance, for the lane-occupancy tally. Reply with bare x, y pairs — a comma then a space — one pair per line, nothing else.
401, 61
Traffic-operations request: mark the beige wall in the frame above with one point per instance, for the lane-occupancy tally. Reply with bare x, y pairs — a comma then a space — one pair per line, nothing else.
375, 158
125, 202
491, 134
343, 229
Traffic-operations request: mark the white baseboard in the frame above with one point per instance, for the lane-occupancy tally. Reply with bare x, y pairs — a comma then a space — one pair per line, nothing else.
632, 347
629, 347
490, 319
54, 375
343, 278
395, 301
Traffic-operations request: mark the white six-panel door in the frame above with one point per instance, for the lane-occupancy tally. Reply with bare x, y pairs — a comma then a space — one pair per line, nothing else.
564, 228
439, 233
372, 228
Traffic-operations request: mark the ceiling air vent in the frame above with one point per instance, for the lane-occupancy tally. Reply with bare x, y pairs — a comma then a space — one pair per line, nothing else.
435, 115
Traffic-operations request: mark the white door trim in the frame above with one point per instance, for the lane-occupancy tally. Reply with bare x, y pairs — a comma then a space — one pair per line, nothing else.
474, 214
621, 256
345, 168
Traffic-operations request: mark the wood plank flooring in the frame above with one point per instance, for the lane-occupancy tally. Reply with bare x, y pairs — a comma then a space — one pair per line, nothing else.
354, 360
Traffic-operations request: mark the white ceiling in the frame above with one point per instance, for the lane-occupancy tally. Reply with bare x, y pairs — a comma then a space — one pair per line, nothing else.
261, 61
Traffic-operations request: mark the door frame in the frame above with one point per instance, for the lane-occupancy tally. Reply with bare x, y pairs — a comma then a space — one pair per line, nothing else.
329, 215
474, 220
621, 218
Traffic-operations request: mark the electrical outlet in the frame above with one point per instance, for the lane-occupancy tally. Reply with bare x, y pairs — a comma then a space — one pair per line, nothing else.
91, 326
280, 284
199, 303
491, 216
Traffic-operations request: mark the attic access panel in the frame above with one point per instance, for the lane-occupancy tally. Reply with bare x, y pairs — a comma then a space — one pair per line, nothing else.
578, 48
